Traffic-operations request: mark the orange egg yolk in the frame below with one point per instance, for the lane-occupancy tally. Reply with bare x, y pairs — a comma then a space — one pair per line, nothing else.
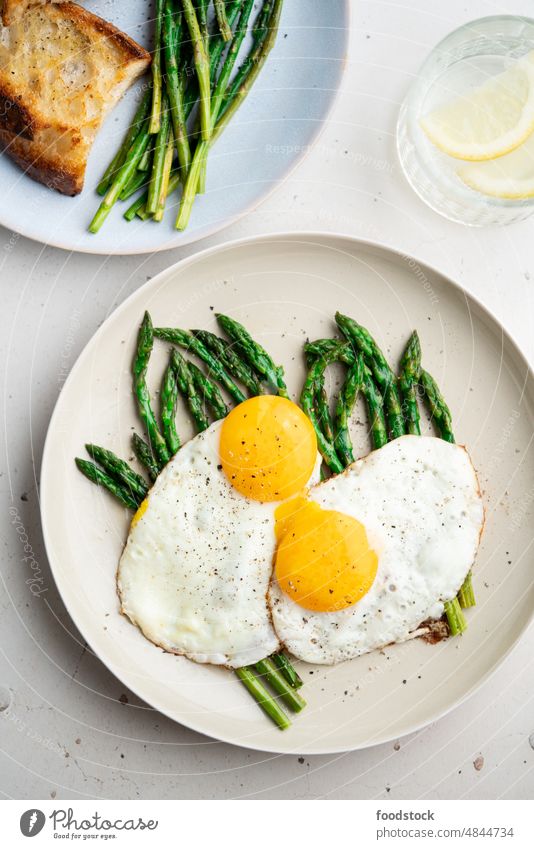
323, 560
268, 448
141, 510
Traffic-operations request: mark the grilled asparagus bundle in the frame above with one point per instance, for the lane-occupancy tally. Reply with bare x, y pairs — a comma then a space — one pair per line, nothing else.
198, 82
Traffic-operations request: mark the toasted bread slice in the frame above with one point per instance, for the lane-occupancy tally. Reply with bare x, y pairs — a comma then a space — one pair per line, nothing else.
62, 69
13, 10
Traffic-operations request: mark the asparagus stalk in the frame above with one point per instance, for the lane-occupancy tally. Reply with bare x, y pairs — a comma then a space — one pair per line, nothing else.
266, 702
229, 360
144, 454
123, 176
120, 471
144, 162
222, 19
288, 670
186, 340
253, 353
155, 114
210, 392
145, 342
168, 402
139, 205
466, 595
118, 160
307, 402
250, 70
96, 475
202, 65
410, 373
158, 162
375, 404
288, 694
172, 30
202, 13
345, 403
439, 411
137, 181
443, 421
323, 409
218, 44
188, 389
165, 178
198, 164
455, 618
362, 341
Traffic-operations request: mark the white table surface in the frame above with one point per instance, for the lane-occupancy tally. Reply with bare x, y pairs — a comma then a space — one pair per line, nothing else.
66, 730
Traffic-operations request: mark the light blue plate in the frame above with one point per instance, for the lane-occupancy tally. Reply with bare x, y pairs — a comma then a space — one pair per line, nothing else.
271, 132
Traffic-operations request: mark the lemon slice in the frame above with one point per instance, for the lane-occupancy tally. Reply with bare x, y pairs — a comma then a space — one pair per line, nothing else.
490, 120
510, 176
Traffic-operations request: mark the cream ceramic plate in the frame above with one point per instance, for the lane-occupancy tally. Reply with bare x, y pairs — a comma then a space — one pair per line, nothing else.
286, 289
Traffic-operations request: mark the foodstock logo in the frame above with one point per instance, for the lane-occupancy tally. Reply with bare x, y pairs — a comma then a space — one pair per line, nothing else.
32, 822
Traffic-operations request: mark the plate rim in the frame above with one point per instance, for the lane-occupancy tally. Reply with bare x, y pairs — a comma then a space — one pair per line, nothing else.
292, 236
219, 226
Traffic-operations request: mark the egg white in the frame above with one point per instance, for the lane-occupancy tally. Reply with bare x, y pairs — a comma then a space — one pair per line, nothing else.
419, 500
196, 567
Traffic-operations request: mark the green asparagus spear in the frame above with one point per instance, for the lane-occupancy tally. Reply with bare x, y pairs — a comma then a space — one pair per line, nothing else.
222, 19
440, 413
202, 65
250, 70
455, 618
218, 44
266, 702
322, 407
137, 181
362, 341
198, 164
96, 475
172, 30
140, 204
188, 389
158, 162
202, 15
190, 343
226, 355
466, 595
259, 31
209, 391
410, 373
122, 177
168, 402
375, 404
144, 454
307, 402
288, 670
155, 114
119, 470
165, 178
345, 403
118, 160
145, 343
272, 676
443, 421
256, 356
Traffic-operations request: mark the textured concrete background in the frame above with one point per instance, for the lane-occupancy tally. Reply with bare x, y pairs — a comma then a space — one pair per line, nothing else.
68, 729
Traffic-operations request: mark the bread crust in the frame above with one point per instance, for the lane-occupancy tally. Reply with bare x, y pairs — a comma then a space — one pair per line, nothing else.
49, 144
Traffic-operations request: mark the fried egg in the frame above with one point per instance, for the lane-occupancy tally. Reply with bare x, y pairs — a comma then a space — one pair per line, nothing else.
367, 556
196, 567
